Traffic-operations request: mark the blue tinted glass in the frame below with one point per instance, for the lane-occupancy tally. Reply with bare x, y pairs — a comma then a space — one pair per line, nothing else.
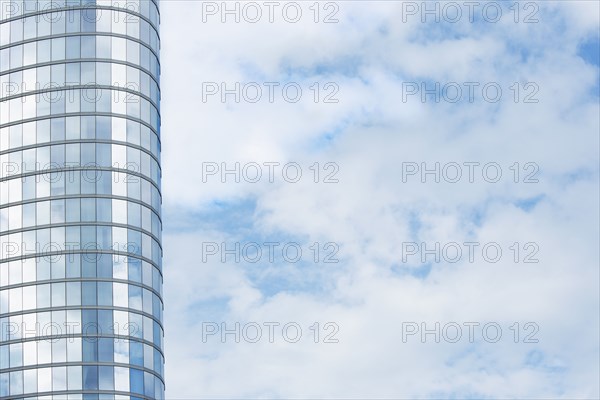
104, 209
103, 128
148, 384
4, 384
105, 319
136, 353
90, 350
157, 336
135, 269
103, 153
106, 349
88, 213
90, 378
104, 183
73, 47
89, 321
88, 289
88, 265
73, 265
157, 361
105, 267
136, 381
88, 127
104, 235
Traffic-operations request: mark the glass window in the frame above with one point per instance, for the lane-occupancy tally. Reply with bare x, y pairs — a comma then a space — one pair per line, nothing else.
58, 22
106, 349
103, 182
147, 298
43, 126
103, 153
59, 350
4, 382
134, 241
43, 295
72, 210
121, 350
103, 237
103, 46
133, 26
43, 52
89, 293
120, 298
119, 24
90, 350
158, 335
74, 349
119, 49
72, 124
136, 325
88, 19
29, 28
90, 378
58, 294
104, 262
57, 131
88, 77
103, 71
73, 21
4, 57
44, 352
45, 379
29, 297
16, 355
105, 296
16, 56
148, 384
57, 212
30, 55
58, 49
73, 48
73, 182
30, 383
135, 269
148, 356
144, 31
88, 47
88, 212
29, 353
106, 378
59, 378
104, 209
73, 260
73, 293
136, 381
122, 379
135, 297
74, 375
58, 266
133, 52
134, 214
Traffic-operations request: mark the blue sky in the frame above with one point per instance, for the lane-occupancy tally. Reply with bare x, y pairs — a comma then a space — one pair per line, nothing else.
369, 135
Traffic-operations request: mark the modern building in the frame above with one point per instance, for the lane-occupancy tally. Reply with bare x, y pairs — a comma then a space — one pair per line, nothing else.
80, 202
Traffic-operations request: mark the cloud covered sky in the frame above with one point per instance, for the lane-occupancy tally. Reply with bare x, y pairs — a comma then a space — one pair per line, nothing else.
367, 207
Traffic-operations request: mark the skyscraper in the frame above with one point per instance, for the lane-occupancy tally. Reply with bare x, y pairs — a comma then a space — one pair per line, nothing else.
80, 223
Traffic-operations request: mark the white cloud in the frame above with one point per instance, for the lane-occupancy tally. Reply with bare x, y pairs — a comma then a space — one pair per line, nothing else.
371, 211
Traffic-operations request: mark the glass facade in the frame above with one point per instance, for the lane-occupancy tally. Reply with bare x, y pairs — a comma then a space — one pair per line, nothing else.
80, 202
